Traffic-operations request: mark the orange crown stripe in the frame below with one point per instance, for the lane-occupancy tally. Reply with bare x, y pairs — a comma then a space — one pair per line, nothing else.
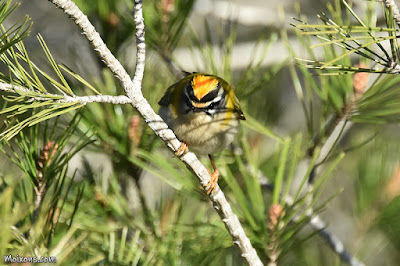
202, 85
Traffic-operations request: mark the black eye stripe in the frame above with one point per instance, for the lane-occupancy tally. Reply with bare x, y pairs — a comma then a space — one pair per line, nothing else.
189, 92
211, 95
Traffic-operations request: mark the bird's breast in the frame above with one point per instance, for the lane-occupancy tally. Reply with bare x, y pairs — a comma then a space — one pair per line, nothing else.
205, 134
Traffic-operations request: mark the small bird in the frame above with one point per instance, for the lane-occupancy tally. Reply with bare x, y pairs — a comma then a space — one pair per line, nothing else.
204, 114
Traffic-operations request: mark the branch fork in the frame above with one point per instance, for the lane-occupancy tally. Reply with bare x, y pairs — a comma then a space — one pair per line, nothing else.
133, 92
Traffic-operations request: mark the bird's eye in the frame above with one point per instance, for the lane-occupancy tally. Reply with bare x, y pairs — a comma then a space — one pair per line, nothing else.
214, 105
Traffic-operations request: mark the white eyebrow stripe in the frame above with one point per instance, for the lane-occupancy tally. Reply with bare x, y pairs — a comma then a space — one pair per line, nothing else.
216, 99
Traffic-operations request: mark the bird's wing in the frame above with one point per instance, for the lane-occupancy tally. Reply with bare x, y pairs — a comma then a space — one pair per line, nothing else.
168, 96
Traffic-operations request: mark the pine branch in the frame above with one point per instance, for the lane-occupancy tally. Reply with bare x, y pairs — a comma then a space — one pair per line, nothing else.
120, 99
133, 91
318, 225
339, 124
333, 130
391, 4
332, 240
348, 37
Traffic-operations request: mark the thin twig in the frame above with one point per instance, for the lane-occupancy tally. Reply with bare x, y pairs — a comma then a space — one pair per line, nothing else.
336, 245
172, 66
133, 91
120, 99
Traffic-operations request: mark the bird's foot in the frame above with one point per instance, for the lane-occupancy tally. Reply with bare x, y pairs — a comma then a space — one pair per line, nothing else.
213, 183
182, 150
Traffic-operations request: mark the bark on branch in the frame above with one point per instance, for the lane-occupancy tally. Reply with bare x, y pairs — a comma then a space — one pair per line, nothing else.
119, 99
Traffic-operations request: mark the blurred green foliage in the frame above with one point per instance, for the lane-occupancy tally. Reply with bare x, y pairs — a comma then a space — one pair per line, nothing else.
140, 205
